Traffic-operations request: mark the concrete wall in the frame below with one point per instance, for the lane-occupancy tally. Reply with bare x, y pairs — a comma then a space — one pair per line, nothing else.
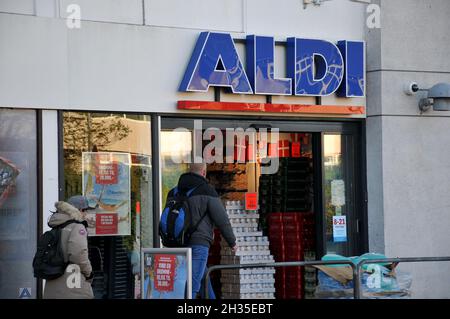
408, 167
130, 55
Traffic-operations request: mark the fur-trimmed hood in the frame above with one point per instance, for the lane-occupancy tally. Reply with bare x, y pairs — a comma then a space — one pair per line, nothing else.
64, 213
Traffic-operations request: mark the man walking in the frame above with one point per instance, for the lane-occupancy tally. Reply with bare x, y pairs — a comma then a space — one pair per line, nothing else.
203, 201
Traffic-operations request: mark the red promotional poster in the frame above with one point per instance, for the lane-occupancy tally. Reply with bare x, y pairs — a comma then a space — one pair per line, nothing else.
251, 201
283, 148
106, 224
295, 149
164, 272
106, 173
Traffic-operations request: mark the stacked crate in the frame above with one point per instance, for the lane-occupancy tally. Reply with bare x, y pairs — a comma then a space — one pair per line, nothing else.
289, 190
291, 238
253, 247
292, 186
286, 244
310, 276
265, 199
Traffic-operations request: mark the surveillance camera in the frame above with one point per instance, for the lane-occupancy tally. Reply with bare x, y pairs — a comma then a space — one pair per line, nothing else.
411, 88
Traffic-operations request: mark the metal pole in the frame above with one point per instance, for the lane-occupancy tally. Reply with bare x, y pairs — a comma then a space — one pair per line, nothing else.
356, 282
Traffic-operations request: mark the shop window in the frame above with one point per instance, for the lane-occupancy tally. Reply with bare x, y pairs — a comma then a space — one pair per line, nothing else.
107, 157
176, 153
18, 203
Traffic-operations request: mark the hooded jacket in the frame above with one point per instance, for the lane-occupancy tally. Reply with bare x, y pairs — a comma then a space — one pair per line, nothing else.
205, 200
75, 249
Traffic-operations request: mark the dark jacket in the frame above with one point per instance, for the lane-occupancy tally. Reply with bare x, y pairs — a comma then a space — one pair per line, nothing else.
204, 199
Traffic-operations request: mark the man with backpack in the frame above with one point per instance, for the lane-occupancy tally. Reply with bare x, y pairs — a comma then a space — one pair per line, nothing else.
201, 210
75, 271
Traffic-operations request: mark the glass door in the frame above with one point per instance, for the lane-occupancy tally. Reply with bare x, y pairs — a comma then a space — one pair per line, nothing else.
339, 194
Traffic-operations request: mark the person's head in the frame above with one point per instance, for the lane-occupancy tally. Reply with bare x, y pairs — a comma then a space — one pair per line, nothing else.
81, 203
198, 168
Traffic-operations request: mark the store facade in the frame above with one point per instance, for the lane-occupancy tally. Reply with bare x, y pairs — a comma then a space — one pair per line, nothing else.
148, 88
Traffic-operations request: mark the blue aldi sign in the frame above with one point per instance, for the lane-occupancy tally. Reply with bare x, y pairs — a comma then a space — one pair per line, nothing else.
314, 67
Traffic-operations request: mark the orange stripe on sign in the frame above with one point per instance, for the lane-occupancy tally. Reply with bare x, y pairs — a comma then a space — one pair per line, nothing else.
271, 108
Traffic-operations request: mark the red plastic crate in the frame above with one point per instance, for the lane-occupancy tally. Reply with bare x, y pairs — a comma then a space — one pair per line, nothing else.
275, 217
293, 295
277, 251
276, 244
294, 277
291, 285
280, 270
292, 228
292, 238
296, 252
293, 257
282, 237
292, 218
276, 228
280, 257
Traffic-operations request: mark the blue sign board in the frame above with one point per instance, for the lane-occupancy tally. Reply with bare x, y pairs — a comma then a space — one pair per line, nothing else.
314, 67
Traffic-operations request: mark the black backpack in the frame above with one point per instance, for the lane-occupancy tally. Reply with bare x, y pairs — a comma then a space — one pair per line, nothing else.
175, 223
48, 262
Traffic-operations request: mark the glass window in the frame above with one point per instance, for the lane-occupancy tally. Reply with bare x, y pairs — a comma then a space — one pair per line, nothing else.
107, 157
176, 153
18, 203
338, 194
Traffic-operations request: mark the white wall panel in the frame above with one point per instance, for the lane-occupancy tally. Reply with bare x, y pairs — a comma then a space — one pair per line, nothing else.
197, 14
17, 6
118, 11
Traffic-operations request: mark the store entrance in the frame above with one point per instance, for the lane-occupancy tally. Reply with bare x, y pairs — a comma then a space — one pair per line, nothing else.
309, 202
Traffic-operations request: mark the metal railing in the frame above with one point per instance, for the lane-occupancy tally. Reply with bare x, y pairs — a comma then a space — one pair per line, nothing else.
355, 267
276, 264
357, 274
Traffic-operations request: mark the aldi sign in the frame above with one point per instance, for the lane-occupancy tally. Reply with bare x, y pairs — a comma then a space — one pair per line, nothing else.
314, 67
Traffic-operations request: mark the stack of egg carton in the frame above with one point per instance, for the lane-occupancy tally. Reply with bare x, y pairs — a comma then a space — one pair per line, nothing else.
253, 248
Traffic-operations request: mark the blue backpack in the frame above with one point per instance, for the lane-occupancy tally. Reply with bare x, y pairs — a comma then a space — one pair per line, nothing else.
175, 224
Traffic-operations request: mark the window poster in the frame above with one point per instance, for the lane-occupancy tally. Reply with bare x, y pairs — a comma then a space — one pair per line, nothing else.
14, 196
106, 184
338, 193
166, 273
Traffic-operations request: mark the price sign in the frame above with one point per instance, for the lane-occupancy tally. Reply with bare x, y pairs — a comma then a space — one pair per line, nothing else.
251, 201
339, 229
165, 272
295, 149
106, 224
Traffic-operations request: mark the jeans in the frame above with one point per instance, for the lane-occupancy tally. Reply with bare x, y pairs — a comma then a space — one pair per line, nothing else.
199, 261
